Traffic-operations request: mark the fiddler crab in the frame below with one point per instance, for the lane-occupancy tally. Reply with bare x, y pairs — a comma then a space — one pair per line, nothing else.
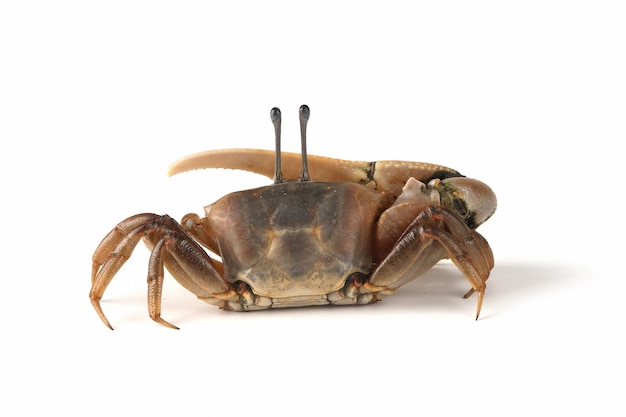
328, 231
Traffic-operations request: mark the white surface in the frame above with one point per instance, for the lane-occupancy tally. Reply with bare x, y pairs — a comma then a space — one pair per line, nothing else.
97, 100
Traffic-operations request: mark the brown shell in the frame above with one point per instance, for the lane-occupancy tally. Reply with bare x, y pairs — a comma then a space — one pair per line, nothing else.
296, 238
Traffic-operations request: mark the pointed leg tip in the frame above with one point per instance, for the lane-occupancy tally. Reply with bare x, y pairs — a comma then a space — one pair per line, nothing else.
481, 296
96, 305
106, 321
165, 323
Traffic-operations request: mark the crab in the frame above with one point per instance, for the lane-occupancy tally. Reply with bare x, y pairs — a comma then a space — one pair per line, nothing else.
327, 231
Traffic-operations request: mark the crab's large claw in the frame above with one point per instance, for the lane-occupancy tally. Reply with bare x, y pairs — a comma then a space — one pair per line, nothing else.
384, 176
262, 162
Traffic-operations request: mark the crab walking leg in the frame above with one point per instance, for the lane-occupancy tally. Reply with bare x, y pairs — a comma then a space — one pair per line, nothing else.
461, 259
112, 252
488, 254
432, 236
189, 265
474, 243
118, 245
196, 263
171, 247
469, 251
155, 283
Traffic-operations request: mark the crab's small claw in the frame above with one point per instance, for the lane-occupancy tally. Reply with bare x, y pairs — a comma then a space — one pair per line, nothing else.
472, 199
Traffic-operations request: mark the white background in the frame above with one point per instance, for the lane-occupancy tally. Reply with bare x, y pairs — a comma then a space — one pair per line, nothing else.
98, 98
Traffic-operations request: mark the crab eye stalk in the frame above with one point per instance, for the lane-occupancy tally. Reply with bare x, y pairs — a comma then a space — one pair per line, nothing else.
276, 119
305, 112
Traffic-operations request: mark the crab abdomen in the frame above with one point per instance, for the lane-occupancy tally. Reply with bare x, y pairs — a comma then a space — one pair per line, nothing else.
296, 241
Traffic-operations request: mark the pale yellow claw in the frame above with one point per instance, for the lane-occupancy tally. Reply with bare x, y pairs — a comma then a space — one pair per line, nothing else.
262, 162
384, 176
